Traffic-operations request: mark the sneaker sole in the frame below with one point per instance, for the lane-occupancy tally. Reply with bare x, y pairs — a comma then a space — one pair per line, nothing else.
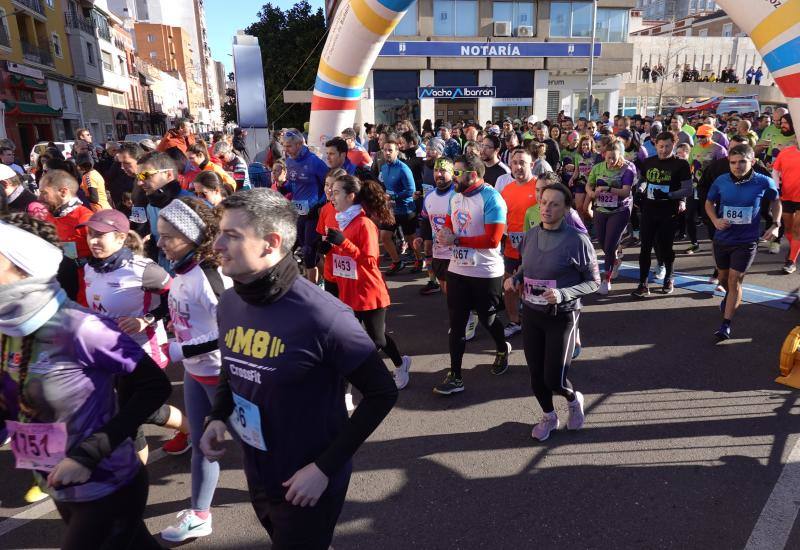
451, 392
494, 373
545, 438
583, 420
190, 535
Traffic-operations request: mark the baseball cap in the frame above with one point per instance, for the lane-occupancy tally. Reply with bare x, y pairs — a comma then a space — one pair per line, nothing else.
446, 125
705, 130
6, 172
532, 119
106, 221
494, 129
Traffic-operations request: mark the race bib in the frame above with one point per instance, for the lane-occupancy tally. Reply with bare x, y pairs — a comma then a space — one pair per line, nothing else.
464, 257
246, 421
301, 207
652, 188
138, 214
441, 252
344, 267
70, 250
607, 200
534, 288
738, 215
38, 446
426, 189
515, 239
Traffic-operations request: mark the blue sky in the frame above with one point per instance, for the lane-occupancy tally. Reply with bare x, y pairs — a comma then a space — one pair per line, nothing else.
225, 17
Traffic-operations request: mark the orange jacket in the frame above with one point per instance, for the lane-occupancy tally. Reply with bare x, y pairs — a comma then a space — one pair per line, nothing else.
174, 139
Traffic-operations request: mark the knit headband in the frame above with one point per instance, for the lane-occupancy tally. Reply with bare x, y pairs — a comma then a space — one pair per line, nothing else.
30, 253
181, 216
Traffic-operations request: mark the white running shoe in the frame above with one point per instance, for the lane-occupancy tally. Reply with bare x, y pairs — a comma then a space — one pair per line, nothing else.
605, 287
576, 416
547, 424
348, 402
774, 248
661, 272
511, 329
615, 269
401, 373
472, 324
189, 526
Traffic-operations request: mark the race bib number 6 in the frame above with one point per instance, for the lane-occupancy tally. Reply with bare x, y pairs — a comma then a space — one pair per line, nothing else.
246, 421
38, 446
738, 215
464, 257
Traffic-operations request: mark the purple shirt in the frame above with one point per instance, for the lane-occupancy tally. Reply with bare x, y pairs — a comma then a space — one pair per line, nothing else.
75, 359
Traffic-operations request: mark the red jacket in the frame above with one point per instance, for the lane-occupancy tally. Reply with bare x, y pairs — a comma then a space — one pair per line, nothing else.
355, 267
68, 232
327, 220
174, 139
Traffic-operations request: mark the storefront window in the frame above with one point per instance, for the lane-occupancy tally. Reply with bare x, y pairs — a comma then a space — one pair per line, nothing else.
396, 96
455, 17
517, 13
408, 24
580, 105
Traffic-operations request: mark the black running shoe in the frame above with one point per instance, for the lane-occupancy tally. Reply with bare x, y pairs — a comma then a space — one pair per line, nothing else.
500, 364
431, 288
450, 385
668, 288
642, 291
396, 267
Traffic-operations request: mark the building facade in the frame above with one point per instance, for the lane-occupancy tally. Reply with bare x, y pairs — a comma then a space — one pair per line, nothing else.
667, 10
483, 59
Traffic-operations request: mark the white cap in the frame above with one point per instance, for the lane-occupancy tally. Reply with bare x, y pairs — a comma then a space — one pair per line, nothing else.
6, 172
532, 119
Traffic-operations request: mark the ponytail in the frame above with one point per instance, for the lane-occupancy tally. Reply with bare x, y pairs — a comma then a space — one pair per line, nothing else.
371, 196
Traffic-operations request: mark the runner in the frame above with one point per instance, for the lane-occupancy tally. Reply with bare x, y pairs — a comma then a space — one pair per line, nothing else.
558, 267
786, 172
782, 138
704, 152
187, 229
489, 153
732, 206
609, 186
519, 196
356, 268
327, 218
58, 364
667, 183
533, 215
474, 227
209, 187
588, 157
281, 390
398, 180
336, 155
92, 184
434, 211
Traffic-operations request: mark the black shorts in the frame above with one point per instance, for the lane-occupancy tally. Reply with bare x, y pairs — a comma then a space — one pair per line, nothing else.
790, 207
738, 257
439, 268
479, 294
512, 264
407, 222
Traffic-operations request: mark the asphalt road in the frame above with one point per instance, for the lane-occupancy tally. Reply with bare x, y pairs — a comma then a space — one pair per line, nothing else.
684, 442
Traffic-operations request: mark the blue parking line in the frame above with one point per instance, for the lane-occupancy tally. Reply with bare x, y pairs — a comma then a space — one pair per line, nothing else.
751, 294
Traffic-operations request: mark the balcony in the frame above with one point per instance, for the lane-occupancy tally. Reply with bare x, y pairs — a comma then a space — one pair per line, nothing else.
33, 5
5, 40
77, 22
35, 54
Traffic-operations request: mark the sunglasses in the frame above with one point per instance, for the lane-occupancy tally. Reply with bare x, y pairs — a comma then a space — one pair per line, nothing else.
459, 173
147, 174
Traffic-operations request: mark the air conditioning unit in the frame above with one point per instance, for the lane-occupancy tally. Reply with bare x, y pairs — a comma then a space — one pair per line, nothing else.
502, 28
525, 30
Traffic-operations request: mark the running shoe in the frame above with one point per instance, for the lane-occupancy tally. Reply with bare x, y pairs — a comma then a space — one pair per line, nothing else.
450, 385
401, 373
547, 424
576, 352
576, 417
179, 444
472, 324
642, 291
713, 281
511, 329
348, 402
694, 247
724, 332
395, 267
661, 272
35, 494
189, 526
789, 267
605, 287
500, 364
668, 288
418, 266
774, 248
432, 287
615, 269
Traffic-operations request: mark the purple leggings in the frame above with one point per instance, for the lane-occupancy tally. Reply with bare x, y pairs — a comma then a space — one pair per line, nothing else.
609, 228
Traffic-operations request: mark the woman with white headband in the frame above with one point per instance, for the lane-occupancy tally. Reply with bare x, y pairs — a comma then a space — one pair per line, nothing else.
57, 371
187, 228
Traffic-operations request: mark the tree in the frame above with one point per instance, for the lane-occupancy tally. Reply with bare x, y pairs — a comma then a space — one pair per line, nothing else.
287, 38
229, 113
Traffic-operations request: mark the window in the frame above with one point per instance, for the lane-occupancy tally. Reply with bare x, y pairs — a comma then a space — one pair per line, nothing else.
408, 24
702, 32
90, 53
455, 17
51, 4
56, 44
108, 62
518, 13
5, 36
121, 63
151, 38
153, 55
727, 29
574, 19
612, 25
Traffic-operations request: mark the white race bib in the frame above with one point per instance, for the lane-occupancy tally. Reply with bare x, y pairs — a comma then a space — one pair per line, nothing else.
138, 214
533, 289
38, 446
607, 200
441, 252
246, 421
344, 267
652, 187
301, 207
737, 215
464, 257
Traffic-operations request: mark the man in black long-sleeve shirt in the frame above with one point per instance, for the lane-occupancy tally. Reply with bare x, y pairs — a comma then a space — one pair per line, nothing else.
288, 349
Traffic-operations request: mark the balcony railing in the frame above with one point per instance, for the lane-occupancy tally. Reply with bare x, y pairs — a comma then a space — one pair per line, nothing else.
75, 21
35, 5
34, 53
104, 32
5, 40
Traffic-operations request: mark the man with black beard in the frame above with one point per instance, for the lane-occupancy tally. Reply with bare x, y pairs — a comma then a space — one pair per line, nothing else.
434, 151
490, 155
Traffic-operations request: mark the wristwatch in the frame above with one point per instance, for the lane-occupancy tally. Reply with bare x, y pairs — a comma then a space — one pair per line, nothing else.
149, 318
455, 241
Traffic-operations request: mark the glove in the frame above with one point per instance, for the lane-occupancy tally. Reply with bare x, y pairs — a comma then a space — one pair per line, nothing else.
324, 247
658, 194
175, 351
335, 236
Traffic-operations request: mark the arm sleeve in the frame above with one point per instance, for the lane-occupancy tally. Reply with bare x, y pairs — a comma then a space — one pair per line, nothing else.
150, 389
684, 191
223, 399
155, 279
493, 233
408, 185
380, 394
586, 264
94, 196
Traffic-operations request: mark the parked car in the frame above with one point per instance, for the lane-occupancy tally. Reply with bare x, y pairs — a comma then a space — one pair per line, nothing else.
136, 138
748, 104
64, 146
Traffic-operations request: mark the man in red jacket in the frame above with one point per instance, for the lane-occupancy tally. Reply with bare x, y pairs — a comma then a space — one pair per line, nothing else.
180, 136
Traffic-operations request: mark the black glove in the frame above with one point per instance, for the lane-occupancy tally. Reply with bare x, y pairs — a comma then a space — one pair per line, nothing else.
660, 195
324, 247
335, 236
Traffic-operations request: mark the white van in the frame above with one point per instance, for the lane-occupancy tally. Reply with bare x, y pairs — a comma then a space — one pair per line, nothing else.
748, 104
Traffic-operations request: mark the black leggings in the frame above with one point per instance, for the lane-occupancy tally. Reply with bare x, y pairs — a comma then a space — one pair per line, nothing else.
465, 294
548, 341
374, 322
113, 522
657, 231
694, 209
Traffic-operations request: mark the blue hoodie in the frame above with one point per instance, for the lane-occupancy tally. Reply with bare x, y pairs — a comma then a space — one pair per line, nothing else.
305, 178
399, 183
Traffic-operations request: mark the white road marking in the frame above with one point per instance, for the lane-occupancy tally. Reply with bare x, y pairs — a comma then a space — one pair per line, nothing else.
777, 519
